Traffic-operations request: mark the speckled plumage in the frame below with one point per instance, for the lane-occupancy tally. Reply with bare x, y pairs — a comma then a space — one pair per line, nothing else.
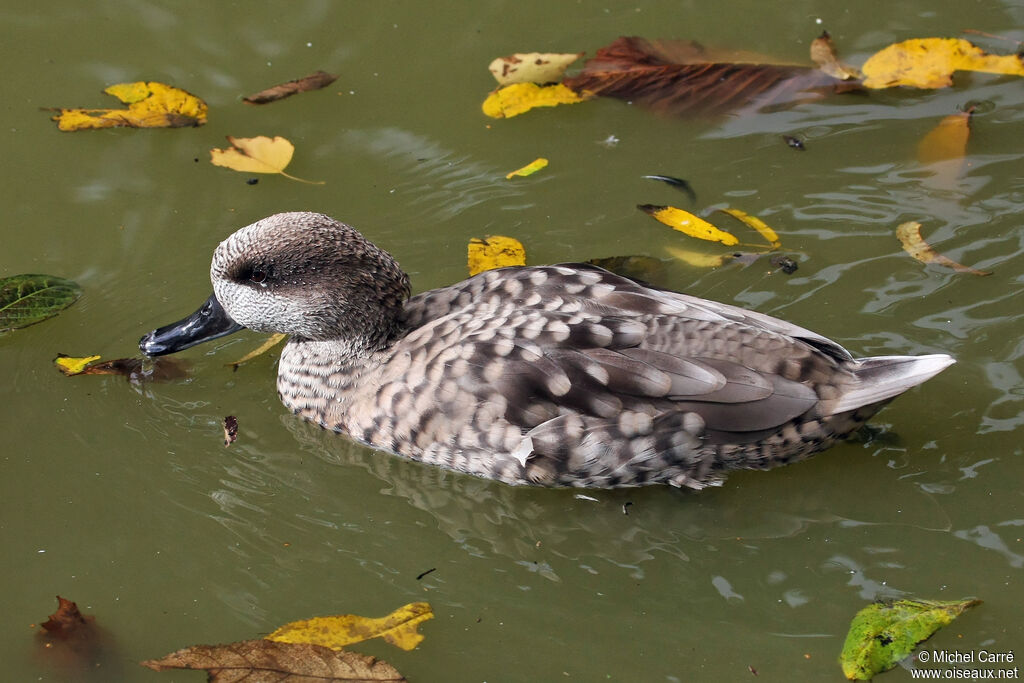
564, 375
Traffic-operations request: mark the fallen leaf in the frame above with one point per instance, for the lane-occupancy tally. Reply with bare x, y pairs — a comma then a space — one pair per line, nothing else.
66, 621
230, 429
697, 259
493, 252
532, 67
682, 78
529, 169
320, 79
754, 222
397, 628
259, 661
930, 63
75, 646
677, 183
946, 141
134, 369
882, 634
512, 100
909, 234
70, 365
687, 223
272, 341
257, 155
150, 105
644, 268
28, 299
823, 53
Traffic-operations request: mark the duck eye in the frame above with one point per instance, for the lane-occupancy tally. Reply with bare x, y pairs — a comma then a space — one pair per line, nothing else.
258, 276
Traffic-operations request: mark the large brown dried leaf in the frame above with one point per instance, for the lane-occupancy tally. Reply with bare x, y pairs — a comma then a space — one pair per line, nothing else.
320, 79
266, 661
670, 77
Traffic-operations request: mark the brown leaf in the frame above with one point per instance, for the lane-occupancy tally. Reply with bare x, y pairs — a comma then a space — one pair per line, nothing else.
320, 79
672, 78
230, 429
823, 53
75, 646
909, 235
260, 661
67, 621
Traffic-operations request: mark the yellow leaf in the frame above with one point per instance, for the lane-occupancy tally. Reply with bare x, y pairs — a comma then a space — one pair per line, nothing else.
930, 63
823, 53
494, 252
529, 169
697, 259
755, 223
532, 67
518, 98
909, 235
948, 140
257, 155
73, 366
397, 628
687, 223
270, 343
150, 105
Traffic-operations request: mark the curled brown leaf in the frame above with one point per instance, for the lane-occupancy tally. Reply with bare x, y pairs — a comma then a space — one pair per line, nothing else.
315, 81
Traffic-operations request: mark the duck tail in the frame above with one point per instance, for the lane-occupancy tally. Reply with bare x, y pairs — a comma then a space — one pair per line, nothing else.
881, 378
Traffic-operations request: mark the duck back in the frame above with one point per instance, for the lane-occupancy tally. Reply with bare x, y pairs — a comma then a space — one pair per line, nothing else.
569, 375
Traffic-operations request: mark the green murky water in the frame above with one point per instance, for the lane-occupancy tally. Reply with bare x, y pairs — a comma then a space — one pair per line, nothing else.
122, 498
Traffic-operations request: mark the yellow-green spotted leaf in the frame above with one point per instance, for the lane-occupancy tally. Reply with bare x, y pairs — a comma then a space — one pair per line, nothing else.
494, 252
529, 169
531, 67
397, 628
29, 299
687, 223
883, 634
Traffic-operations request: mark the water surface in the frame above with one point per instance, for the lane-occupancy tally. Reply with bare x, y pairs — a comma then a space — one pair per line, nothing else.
122, 497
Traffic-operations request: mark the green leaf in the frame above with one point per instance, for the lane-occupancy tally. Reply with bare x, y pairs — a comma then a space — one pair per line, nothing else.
29, 299
884, 633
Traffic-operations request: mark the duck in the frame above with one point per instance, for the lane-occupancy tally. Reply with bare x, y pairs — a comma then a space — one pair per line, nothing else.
563, 375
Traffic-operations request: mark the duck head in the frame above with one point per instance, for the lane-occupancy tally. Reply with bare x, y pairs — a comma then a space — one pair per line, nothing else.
303, 274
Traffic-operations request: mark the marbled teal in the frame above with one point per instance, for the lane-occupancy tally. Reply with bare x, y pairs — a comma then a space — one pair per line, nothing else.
563, 375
